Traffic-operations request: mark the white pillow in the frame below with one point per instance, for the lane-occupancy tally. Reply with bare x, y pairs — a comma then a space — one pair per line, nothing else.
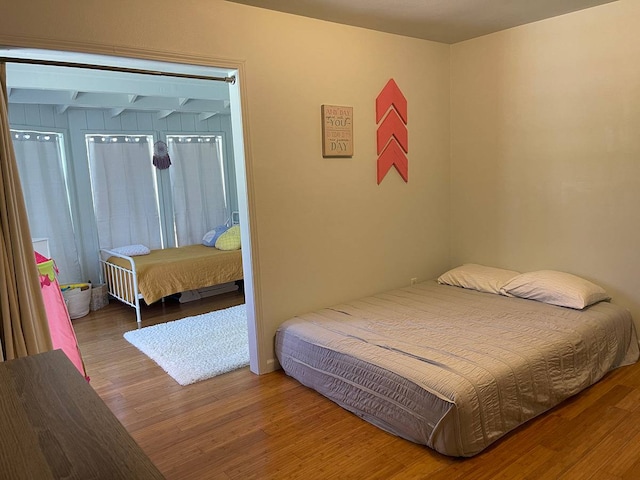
477, 277
556, 288
132, 250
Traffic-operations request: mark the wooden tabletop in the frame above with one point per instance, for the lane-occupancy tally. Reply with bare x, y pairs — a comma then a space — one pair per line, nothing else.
54, 425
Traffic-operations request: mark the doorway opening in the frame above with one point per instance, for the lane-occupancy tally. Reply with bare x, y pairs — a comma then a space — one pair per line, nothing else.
160, 101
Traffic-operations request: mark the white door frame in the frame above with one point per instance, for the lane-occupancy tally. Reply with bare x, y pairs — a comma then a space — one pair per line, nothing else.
135, 58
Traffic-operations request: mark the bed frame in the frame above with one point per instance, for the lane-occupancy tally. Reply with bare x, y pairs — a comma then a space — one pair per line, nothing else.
122, 283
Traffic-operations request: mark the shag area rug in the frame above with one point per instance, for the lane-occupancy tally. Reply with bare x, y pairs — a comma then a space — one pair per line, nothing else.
196, 348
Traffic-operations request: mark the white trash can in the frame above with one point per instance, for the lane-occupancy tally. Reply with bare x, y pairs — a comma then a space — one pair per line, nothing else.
77, 296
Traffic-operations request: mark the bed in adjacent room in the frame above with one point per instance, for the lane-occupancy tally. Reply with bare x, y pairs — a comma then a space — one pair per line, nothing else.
169, 271
456, 366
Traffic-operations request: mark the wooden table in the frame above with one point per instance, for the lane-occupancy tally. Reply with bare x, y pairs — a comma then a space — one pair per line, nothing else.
54, 425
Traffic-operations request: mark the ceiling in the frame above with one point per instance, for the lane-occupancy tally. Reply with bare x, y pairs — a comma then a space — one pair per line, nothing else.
117, 92
446, 21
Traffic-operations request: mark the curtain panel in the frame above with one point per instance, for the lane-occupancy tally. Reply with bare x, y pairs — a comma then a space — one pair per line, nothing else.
24, 328
198, 188
124, 192
39, 159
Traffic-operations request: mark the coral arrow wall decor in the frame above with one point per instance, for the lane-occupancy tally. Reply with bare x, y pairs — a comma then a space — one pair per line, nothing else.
391, 95
392, 133
392, 155
392, 126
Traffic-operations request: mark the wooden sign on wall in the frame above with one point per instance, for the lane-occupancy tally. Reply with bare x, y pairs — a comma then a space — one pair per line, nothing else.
337, 131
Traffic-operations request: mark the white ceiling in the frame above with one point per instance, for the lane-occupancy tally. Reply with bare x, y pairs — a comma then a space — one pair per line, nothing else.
446, 21
117, 92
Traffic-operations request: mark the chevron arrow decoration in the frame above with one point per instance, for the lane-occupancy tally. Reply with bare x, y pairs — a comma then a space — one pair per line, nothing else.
393, 156
391, 96
392, 134
392, 127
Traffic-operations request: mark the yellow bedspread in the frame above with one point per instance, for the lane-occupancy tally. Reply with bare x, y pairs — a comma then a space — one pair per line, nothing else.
173, 270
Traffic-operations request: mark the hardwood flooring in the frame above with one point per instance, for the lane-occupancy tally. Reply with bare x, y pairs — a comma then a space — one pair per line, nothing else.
243, 426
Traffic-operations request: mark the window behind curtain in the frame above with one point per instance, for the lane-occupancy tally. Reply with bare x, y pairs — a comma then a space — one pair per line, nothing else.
123, 185
40, 158
199, 195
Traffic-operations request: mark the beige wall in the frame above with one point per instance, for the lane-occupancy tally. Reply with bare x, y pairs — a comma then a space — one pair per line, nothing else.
543, 139
325, 231
546, 148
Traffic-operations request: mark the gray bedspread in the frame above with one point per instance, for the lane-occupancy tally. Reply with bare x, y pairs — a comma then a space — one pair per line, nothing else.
450, 368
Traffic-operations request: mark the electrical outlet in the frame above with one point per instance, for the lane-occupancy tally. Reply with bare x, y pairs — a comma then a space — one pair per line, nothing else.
414, 280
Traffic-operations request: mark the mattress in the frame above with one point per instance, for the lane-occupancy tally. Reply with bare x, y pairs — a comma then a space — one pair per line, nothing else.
451, 368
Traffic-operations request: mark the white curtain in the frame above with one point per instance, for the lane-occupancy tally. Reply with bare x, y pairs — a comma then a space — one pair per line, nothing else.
198, 187
124, 190
40, 163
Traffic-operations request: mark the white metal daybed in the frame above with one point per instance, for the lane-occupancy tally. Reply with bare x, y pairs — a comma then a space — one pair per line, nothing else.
168, 271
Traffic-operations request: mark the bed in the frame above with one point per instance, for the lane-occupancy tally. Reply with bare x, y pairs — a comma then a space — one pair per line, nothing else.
453, 368
166, 272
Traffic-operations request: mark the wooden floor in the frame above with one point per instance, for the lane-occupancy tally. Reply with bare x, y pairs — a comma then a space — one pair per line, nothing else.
243, 426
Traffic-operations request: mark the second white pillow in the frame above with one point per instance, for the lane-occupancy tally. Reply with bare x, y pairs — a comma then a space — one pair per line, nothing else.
557, 288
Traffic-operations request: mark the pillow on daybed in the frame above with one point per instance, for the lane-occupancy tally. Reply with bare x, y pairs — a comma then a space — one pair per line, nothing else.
229, 240
477, 277
132, 250
556, 288
212, 236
